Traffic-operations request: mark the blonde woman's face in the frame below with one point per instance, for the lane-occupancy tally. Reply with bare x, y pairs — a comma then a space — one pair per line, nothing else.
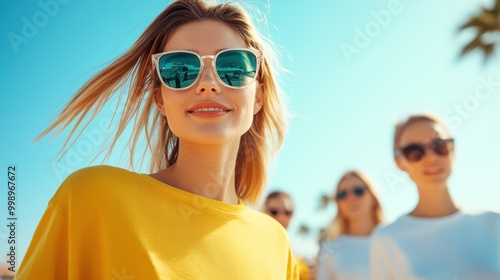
432, 168
208, 112
354, 199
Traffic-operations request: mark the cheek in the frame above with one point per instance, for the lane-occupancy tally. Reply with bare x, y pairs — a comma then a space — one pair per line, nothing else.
171, 113
173, 105
414, 168
448, 166
449, 159
341, 207
247, 97
370, 201
245, 103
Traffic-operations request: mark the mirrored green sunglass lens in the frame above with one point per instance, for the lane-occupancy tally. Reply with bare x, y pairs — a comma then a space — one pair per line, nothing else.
179, 70
236, 68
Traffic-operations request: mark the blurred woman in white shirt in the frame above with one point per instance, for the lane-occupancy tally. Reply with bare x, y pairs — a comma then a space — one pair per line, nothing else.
345, 254
437, 240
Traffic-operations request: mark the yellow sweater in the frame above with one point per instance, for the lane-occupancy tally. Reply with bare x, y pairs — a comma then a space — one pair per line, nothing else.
109, 223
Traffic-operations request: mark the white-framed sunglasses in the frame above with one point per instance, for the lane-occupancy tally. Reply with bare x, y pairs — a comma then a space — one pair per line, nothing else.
234, 68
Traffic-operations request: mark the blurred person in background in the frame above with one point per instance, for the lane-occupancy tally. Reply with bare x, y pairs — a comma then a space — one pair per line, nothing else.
280, 206
437, 239
345, 254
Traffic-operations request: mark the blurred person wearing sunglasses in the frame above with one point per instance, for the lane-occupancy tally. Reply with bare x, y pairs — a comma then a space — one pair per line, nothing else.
345, 253
280, 206
437, 240
203, 94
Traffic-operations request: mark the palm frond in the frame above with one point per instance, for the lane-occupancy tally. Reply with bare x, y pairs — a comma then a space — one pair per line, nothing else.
304, 229
487, 25
325, 200
475, 43
496, 8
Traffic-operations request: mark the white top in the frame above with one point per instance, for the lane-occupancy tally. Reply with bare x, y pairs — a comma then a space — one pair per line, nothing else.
456, 247
345, 257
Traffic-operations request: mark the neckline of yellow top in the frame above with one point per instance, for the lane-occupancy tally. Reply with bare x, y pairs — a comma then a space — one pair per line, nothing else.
198, 201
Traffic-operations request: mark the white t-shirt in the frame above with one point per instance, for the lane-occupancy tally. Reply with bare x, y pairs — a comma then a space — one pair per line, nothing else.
345, 257
455, 247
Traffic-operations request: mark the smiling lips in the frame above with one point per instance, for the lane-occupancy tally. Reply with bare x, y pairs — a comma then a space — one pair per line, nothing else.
433, 170
209, 109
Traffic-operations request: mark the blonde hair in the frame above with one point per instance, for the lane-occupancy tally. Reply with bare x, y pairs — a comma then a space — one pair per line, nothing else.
403, 125
134, 69
339, 224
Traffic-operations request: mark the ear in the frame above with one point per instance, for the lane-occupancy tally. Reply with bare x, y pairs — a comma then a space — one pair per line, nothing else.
258, 99
159, 100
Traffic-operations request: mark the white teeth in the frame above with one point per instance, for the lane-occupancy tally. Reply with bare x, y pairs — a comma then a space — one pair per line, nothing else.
209, 110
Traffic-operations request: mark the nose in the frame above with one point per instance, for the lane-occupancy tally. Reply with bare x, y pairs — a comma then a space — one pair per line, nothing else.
350, 196
430, 155
208, 82
429, 151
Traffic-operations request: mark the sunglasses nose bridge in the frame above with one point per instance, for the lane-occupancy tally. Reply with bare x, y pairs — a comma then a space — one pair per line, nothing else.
212, 64
202, 61
430, 149
207, 76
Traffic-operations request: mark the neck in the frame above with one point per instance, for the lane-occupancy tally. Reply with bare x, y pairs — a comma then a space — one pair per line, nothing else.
360, 226
206, 170
435, 201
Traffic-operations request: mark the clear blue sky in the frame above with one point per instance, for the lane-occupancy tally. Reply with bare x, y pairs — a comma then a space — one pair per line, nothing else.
356, 67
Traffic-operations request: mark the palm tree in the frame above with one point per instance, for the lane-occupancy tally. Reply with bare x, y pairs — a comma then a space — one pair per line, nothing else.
325, 200
304, 229
487, 25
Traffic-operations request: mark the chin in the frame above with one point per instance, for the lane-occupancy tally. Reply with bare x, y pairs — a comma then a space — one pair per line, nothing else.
211, 137
355, 214
436, 179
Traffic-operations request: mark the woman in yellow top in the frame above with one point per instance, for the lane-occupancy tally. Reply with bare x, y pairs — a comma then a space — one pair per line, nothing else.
204, 95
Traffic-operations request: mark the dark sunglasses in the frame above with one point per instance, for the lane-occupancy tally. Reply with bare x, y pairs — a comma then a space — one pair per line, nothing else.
358, 191
234, 68
415, 152
276, 212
